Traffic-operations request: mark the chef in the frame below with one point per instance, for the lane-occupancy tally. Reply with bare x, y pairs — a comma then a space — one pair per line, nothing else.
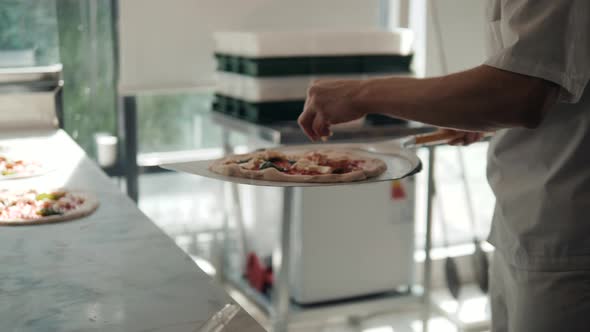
532, 91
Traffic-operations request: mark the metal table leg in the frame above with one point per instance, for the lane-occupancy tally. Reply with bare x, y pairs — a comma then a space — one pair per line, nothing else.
427, 276
128, 133
281, 265
235, 203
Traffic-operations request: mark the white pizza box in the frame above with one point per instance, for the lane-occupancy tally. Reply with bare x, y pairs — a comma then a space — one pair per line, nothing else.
267, 89
264, 44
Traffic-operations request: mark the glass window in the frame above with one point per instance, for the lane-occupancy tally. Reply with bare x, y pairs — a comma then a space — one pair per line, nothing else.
86, 51
28, 33
175, 122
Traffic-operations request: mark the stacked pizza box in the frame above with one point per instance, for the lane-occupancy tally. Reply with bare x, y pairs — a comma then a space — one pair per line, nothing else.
263, 76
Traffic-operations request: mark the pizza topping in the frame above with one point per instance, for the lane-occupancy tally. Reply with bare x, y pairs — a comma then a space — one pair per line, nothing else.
273, 155
312, 163
32, 205
50, 196
10, 167
339, 170
48, 212
268, 164
324, 165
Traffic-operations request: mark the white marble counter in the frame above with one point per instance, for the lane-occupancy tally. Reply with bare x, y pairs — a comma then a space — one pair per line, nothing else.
112, 271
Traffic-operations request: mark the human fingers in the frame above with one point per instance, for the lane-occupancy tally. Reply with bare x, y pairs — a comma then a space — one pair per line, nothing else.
305, 121
472, 137
321, 127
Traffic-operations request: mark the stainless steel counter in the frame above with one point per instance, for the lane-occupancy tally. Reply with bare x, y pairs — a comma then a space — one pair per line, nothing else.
112, 271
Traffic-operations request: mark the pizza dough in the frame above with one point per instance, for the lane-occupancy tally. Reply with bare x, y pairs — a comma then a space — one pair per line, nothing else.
304, 166
36, 207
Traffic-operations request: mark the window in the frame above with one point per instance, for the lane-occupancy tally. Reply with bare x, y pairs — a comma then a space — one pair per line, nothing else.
28, 33
86, 51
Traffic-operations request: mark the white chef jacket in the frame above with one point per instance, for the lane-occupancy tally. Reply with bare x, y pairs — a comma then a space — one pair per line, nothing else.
541, 177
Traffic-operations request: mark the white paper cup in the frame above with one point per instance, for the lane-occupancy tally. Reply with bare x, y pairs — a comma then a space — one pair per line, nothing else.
106, 150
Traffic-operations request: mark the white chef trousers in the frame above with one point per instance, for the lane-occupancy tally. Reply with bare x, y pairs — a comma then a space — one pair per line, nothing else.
538, 301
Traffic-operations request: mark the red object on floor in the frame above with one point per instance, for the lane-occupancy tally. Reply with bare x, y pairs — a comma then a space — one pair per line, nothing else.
259, 276
397, 190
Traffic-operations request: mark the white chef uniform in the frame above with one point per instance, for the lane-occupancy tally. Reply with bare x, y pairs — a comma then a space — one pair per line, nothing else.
541, 177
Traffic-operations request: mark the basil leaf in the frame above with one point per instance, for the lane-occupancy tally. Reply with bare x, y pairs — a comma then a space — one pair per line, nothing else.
48, 212
339, 170
268, 164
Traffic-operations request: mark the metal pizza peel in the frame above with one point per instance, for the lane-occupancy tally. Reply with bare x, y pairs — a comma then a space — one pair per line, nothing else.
400, 160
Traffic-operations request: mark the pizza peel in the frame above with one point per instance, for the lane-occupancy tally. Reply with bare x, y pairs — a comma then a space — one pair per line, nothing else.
400, 160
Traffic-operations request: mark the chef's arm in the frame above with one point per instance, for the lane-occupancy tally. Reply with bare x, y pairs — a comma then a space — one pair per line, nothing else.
480, 99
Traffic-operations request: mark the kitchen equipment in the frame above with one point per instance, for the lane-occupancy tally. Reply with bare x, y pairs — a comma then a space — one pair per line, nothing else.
479, 259
352, 241
317, 212
400, 164
451, 270
379, 227
401, 161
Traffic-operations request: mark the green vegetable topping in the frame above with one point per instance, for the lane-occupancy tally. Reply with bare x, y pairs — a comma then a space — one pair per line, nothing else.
48, 212
339, 170
50, 196
268, 164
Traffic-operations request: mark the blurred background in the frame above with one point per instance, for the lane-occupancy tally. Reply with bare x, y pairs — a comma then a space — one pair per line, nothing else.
157, 56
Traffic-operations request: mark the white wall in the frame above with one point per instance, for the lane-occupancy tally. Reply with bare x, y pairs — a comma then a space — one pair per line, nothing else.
168, 45
463, 26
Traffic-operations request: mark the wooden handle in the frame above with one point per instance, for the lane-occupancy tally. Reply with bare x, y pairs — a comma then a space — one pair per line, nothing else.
437, 137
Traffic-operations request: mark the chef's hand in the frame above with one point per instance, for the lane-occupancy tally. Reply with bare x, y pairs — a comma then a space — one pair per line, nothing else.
464, 137
329, 102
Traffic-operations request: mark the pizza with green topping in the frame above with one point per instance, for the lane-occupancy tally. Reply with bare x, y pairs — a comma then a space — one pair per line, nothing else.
319, 166
13, 168
39, 207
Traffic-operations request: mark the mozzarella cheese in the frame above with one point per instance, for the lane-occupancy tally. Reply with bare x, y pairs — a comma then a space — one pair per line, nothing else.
308, 165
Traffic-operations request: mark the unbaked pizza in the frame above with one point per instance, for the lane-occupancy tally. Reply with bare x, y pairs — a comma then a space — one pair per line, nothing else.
36, 207
11, 168
324, 166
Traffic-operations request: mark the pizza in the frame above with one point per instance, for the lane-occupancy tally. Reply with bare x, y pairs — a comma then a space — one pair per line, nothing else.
39, 207
324, 166
18, 168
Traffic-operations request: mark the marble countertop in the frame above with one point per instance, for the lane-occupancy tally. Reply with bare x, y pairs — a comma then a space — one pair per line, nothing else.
112, 271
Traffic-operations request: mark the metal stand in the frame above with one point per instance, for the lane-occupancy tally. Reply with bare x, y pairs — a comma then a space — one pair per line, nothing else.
427, 276
128, 133
281, 312
281, 256
281, 264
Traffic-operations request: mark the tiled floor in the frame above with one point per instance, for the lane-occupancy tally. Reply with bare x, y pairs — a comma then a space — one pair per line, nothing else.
190, 210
